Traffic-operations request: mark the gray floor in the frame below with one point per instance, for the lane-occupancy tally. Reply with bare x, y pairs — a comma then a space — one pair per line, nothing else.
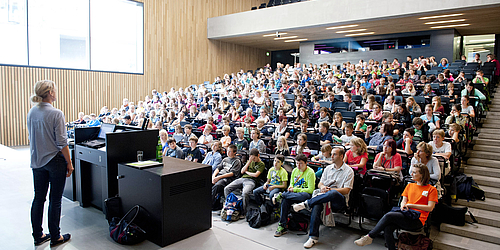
89, 228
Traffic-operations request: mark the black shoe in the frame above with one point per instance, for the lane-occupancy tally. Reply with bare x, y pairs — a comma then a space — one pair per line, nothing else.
66, 237
42, 240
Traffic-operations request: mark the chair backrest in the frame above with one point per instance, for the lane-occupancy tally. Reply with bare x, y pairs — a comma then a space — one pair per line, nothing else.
290, 96
431, 72
398, 99
324, 104
341, 106
378, 99
472, 65
339, 98
395, 77
357, 99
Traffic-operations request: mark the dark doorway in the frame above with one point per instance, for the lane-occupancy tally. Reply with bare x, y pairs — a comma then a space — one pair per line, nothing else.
283, 56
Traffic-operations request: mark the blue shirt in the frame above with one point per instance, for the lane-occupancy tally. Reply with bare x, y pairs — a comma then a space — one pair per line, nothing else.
213, 159
367, 85
46, 133
93, 123
326, 137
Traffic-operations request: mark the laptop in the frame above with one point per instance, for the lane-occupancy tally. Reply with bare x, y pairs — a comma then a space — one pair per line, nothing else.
101, 138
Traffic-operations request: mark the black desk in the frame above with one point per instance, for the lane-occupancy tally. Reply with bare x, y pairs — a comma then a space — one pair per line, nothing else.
96, 169
177, 196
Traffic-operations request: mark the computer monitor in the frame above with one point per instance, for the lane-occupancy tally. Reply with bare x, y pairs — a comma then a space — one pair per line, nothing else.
106, 128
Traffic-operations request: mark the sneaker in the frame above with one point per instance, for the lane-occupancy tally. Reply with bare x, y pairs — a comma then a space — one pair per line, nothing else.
277, 198
280, 231
299, 206
242, 216
42, 240
310, 242
363, 241
65, 238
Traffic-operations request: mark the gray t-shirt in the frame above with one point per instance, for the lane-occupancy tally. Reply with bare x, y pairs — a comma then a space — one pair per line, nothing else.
47, 133
230, 165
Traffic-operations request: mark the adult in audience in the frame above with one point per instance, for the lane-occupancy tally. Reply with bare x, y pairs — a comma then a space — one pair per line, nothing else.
334, 187
389, 160
376, 140
420, 197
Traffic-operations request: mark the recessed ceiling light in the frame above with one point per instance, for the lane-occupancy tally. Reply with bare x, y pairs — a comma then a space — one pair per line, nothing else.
447, 21
286, 37
274, 34
441, 16
347, 31
341, 27
361, 34
482, 40
296, 40
450, 26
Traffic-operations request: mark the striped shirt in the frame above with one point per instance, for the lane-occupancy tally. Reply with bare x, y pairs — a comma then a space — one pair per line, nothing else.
47, 133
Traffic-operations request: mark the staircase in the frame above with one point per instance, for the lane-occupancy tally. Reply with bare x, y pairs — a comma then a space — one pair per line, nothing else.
484, 165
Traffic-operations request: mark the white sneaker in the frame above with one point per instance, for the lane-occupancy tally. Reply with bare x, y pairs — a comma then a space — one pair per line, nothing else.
299, 206
310, 243
363, 241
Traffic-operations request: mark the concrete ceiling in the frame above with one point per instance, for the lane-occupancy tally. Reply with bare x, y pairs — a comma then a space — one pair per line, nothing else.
481, 20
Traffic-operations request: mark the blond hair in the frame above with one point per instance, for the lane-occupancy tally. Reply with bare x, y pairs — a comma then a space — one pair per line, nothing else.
360, 143
42, 90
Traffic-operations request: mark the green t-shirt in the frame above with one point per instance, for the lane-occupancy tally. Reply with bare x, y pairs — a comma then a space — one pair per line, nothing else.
303, 181
363, 127
418, 132
253, 168
277, 177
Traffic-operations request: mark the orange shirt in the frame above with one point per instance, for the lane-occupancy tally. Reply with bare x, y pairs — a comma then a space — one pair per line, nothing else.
421, 195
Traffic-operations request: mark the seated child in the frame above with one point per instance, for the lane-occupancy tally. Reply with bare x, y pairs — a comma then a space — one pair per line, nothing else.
277, 179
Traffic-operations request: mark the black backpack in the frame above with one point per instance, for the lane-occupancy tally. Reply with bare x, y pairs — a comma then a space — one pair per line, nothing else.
257, 217
468, 189
298, 222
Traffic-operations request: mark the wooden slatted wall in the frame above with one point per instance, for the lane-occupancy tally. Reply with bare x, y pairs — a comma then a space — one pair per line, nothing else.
177, 54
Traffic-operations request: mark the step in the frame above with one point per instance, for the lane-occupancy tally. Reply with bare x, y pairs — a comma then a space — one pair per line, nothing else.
485, 171
487, 148
483, 141
447, 241
484, 217
483, 162
488, 130
490, 136
477, 231
491, 192
482, 180
490, 125
495, 108
491, 121
488, 204
485, 155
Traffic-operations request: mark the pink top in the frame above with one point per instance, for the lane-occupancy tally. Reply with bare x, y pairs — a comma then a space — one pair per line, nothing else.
351, 160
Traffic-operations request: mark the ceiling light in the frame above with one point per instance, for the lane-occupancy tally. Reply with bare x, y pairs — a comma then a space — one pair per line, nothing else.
347, 31
341, 27
482, 40
361, 34
274, 34
296, 40
441, 16
286, 37
450, 26
447, 21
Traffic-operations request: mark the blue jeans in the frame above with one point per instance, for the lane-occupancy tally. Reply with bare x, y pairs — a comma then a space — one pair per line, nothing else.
290, 198
316, 203
53, 173
390, 222
257, 193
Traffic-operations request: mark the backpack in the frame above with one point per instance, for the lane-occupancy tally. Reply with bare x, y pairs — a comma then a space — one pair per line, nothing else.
414, 242
257, 217
232, 208
468, 189
298, 222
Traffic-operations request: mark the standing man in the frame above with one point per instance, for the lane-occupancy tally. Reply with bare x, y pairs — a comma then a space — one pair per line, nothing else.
50, 161
335, 184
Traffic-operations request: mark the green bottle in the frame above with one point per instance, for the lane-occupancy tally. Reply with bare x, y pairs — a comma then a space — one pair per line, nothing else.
159, 152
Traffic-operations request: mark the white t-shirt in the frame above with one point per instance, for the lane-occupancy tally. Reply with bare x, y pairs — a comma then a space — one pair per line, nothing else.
468, 110
346, 139
445, 148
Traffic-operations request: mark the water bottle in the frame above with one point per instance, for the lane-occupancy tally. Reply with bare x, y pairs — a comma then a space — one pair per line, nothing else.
159, 152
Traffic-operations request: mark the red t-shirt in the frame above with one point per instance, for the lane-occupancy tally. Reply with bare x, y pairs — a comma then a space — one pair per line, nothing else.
395, 161
351, 160
421, 195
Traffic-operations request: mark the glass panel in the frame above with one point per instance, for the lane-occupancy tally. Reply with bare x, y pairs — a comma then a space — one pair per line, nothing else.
481, 45
328, 48
414, 42
117, 35
59, 33
382, 44
13, 45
